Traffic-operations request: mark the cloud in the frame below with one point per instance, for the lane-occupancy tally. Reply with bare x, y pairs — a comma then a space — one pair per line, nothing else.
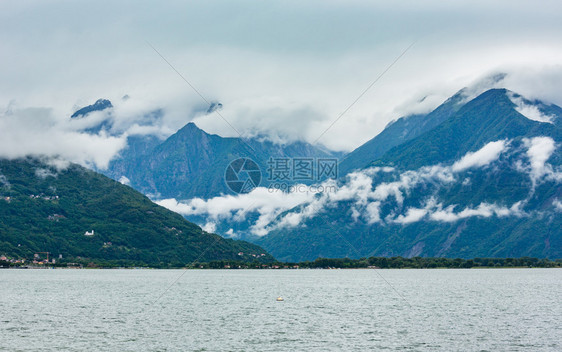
434, 211
364, 197
412, 215
485, 210
490, 152
274, 75
4, 182
124, 180
44, 173
267, 203
373, 212
37, 132
557, 205
209, 227
539, 150
531, 112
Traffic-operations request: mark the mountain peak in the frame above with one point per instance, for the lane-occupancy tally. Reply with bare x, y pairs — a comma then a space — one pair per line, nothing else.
190, 128
214, 106
495, 92
99, 105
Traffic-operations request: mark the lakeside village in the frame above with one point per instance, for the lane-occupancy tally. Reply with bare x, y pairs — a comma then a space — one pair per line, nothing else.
43, 261
38, 262
8, 199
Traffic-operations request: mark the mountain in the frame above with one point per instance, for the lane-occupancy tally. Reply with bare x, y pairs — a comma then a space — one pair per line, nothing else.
491, 116
78, 213
192, 163
486, 181
412, 126
99, 105
400, 131
91, 120
97, 124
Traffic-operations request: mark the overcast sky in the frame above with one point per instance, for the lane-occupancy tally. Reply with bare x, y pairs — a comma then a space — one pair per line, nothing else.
285, 69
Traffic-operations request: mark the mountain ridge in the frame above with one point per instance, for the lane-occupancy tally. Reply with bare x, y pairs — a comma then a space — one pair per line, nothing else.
191, 162
78, 213
484, 182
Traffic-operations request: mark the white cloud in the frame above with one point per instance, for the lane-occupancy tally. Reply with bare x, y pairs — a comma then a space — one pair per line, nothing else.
373, 211
412, 215
484, 156
209, 227
37, 132
557, 205
230, 233
531, 112
365, 198
484, 210
445, 215
4, 182
268, 204
44, 173
539, 150
125, 180
274, 76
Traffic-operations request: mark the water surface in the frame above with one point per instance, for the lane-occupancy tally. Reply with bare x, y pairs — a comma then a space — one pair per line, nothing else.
324, 310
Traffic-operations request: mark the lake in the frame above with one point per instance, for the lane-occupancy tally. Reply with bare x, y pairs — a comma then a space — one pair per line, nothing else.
323, 310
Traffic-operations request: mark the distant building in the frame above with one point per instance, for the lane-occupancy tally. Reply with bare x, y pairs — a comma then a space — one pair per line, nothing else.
89, 233
55, 217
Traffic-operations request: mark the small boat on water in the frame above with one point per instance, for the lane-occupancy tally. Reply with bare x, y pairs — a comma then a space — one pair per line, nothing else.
280, 299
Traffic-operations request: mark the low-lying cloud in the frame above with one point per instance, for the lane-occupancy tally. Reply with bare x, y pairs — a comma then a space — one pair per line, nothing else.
37, 132
4, 183
539, 150
365, 197
267, 203
557, 205
489, 153
531, 112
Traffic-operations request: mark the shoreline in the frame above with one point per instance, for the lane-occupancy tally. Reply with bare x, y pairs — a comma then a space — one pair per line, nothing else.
287, 269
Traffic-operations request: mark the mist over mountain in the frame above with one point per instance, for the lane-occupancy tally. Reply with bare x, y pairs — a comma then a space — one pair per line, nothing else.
192, 163
411, 126
99, 105
475, 177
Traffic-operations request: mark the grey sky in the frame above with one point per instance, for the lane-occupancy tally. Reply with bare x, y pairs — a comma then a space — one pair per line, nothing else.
281, 68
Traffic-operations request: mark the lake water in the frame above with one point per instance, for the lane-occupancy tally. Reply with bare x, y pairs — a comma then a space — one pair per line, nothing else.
323, 310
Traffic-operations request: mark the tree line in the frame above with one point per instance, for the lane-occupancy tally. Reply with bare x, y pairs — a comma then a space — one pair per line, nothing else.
328, 263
